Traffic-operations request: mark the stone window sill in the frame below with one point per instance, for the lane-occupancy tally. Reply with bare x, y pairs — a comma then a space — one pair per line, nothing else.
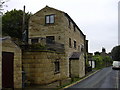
57, 72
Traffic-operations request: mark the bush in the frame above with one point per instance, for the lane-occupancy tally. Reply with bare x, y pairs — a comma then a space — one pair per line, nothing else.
102, 61
37, 47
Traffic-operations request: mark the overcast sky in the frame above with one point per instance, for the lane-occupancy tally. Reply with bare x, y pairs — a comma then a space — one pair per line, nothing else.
98, 19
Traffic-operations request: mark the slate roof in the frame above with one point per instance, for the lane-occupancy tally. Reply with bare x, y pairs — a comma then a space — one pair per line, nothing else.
75, 55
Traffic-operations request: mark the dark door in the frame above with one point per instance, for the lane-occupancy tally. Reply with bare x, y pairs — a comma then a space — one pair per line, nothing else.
50, 39
7, 70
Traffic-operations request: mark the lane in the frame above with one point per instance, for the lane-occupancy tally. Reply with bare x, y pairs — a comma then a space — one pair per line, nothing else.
119, 80
110, 80
105, 78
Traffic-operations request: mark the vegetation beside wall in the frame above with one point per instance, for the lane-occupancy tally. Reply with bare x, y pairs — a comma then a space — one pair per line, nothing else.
102, 61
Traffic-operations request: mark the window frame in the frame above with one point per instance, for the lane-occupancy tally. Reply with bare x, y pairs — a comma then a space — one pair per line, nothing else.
34, 40
50, 19
79, 48
70, 43
75, 44
69, 23
82, 47
59, 37
74, 27
57, 67
50, 39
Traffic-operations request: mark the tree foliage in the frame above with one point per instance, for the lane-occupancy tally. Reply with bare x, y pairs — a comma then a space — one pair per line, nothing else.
116, 53
97, 53
12, 23
102, 61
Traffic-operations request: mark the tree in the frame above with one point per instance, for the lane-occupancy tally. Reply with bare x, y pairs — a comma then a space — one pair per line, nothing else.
116, 53
107, 60
96, 53
102, 61
2, 5
12, 23
98, 60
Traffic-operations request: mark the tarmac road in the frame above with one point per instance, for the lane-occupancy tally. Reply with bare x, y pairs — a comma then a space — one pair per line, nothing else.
105, 78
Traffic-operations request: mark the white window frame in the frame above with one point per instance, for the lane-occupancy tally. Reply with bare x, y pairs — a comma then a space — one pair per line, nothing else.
50, 19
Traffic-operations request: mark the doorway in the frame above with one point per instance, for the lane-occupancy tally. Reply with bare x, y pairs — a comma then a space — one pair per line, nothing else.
7, 70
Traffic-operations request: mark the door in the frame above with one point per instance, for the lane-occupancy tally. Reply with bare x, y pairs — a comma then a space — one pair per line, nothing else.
7, 70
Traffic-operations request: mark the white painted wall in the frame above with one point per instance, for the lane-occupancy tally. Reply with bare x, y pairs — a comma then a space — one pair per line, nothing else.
92, 63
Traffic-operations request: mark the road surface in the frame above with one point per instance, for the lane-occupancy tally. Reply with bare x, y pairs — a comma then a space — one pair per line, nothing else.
105, 78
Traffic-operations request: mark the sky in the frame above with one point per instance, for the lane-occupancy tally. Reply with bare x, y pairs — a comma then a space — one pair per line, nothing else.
98, 19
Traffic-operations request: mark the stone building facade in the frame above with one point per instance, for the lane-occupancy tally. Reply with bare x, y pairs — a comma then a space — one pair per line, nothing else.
10, 64
55, 28
56, 25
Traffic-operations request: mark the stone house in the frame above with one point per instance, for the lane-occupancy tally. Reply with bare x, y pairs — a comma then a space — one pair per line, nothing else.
10, 64
56, 29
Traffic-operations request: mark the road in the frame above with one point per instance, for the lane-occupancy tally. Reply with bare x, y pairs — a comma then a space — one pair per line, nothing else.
105, 78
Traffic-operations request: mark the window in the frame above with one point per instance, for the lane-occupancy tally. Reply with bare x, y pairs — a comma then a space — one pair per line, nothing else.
59, 38
74, 27
75, 44
82, 47
33, 41
78, 48
69, 25
57, 66
70, 45
49, 19
50, 39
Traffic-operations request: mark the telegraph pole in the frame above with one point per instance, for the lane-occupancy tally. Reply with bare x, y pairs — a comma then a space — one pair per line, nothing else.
1, 14
23, 25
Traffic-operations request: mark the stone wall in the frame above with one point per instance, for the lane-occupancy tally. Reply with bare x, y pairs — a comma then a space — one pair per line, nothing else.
82, 66
77, 67
9, 46
40, 68
75, 35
